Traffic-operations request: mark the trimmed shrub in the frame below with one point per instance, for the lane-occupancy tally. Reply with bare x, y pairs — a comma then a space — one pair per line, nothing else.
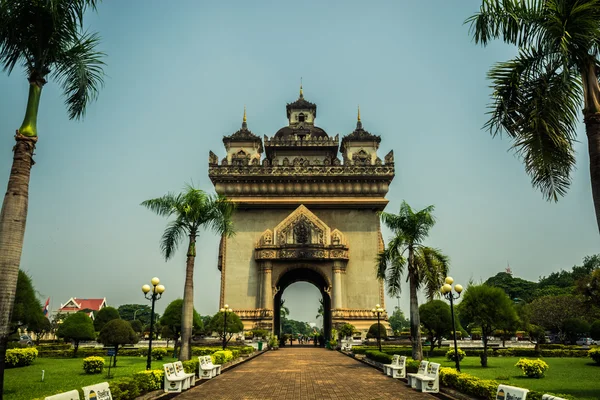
221, 356
372, 333
159, 353
594, 354
124, 388
20, 357
532, 368
412, 366
148, 381
451, 355
93, 365
191, 366
468, 384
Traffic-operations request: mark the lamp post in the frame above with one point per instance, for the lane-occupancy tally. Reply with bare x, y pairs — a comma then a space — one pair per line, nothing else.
378, 310
152, 293
447, 293
225, 310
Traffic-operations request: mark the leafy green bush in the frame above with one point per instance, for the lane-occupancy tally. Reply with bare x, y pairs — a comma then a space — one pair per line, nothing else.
468, 384
412, 366
191, 366
124, 388
594, 354
93, 365
20, 357
532, 368
159, 353
221, 356
451, 355
148, 381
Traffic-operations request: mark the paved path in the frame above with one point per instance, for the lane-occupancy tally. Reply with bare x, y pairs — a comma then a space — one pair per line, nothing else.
302, 374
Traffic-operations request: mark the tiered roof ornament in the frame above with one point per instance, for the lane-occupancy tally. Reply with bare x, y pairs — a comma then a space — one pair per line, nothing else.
360, 134
243, 135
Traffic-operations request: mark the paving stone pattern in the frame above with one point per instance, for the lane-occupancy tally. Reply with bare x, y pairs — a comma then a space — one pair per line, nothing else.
303, 374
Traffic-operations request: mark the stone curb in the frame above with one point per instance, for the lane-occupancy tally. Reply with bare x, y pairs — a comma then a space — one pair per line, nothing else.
160, 394
444, 394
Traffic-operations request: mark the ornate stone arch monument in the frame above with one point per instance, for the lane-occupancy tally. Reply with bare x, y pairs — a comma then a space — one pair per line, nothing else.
303, 215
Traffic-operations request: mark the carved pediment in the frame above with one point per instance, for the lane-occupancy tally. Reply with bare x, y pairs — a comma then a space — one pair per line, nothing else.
338, 238
302, 227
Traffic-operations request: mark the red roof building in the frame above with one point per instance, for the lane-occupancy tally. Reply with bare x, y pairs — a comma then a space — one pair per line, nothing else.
74, 305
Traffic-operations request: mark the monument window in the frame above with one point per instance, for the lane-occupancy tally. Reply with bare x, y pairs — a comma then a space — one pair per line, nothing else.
301, 117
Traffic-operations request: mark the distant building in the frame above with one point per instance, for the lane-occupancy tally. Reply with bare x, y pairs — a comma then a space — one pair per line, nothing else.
75, 305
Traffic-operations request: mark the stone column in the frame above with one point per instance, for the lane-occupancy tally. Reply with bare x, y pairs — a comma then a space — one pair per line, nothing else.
337, 285
267, 293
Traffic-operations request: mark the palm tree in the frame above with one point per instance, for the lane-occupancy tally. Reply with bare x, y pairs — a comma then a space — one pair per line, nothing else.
537, 94
193, 209
46, 38
425, 266
283, 310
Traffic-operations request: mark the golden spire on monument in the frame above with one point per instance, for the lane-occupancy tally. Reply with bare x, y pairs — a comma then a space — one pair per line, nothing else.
301, 92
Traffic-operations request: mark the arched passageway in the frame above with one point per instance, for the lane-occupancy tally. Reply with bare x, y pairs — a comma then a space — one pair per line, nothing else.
302, 274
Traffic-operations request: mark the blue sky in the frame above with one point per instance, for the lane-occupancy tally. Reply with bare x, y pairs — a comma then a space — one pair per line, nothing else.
178, 75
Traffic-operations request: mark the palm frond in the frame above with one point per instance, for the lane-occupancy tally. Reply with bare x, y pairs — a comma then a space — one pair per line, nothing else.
394, 274
432, 266
79, 71
536, 104
164, 206
516, 22
172, 236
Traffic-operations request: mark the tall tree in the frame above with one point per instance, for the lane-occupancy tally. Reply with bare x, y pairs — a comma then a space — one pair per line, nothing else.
537, 95
27, 308
135, 312
488, 308
172, 320
104, 316
117, 332
193, 209
437, 321
425, 267
47, 39
234, 325
76, 327
398, 321
551, 312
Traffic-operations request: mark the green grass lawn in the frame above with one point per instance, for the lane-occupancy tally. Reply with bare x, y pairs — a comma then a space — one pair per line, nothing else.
578, 377
63, 375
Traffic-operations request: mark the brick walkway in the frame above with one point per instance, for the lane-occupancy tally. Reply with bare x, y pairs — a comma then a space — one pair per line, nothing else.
302, 374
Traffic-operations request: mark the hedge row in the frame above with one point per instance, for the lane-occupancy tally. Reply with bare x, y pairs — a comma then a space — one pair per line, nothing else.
480, 388
137, 352
508, 352
384, 358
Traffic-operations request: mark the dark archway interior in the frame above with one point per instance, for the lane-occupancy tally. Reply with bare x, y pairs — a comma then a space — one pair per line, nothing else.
303, 275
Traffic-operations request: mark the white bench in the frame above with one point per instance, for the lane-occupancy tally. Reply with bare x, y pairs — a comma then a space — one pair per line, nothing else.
100, 391
431, 382
72, 395
179, 371
512, 392
207, 369
397, 369
412, 382
173, 383
550, 397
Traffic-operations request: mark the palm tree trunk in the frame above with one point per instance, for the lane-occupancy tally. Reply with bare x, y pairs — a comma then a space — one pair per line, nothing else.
187, 315
592, 128
591, 113
13, 218
415, 321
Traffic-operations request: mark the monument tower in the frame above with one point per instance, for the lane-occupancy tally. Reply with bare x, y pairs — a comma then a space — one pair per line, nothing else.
303, 214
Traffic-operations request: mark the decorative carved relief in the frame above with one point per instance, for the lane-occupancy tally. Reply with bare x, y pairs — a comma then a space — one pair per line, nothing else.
338, 238
361, 158
212, 158
266, 238
240, 158
302, 227
389, 158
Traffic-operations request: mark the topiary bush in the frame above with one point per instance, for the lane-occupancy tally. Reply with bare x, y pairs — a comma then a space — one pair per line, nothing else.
148, 381
20, 357
221, 356
372, 333
594, 354
451, 355
124, 389
159, 353
191, 366
378, 356
93, 365
532, 368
